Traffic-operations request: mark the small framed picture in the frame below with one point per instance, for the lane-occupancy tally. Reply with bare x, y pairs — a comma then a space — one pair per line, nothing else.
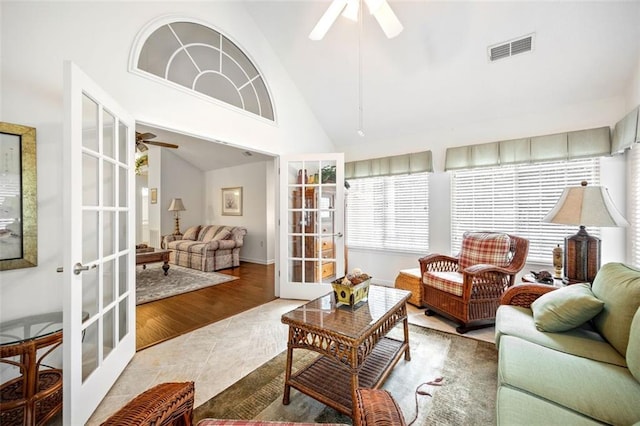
232, 201
153, 195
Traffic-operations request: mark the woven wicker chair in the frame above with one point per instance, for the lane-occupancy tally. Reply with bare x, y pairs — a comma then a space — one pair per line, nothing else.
162, 405
480, 286
376, 407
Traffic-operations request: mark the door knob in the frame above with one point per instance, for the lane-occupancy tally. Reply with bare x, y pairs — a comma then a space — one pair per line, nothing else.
79, 267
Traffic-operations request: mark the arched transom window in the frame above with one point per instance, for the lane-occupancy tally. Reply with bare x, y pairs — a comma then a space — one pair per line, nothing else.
205, 61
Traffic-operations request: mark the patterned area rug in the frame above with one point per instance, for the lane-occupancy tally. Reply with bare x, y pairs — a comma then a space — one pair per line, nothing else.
467, 395
152, 284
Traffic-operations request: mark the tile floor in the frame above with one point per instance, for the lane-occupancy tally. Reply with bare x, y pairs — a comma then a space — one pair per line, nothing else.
220, 354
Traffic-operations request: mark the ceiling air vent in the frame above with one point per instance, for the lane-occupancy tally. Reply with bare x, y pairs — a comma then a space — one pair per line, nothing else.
510, 48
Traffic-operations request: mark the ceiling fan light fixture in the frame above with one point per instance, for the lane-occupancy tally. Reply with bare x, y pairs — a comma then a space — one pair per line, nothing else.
327, 20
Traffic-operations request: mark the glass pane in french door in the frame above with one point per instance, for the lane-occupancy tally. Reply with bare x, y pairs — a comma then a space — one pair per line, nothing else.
105, 232
311, 191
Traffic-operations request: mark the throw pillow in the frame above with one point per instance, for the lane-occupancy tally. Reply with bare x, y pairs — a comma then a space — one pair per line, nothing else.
222, 235
484, 247
618, 286
191, 233
565, 308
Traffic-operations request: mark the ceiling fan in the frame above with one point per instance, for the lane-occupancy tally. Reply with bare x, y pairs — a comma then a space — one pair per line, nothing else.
380, 9
142, 142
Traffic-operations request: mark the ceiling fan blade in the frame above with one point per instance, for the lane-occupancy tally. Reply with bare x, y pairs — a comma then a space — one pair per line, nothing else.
388, 20
329, 17
143, 136
351, 10
162, 144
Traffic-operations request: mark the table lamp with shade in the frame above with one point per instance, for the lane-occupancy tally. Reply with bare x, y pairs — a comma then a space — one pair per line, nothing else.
584, 206
176, 206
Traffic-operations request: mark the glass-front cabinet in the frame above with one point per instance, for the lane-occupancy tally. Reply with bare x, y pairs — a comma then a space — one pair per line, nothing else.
311, 221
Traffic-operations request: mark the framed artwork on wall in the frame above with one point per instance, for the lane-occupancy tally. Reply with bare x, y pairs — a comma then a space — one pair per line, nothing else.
18, 197
232, 201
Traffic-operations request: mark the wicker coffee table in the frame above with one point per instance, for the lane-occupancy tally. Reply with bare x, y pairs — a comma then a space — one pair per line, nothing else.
152, 255
352, 343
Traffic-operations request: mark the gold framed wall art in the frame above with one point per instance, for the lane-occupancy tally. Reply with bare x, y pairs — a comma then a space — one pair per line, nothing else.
18, 197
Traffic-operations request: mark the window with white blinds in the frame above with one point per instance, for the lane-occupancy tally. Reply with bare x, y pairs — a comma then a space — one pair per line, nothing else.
389, 213
633, 203
514, 199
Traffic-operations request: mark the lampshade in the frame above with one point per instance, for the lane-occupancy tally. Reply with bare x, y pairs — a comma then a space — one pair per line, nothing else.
587, 206
584, 206
176, 205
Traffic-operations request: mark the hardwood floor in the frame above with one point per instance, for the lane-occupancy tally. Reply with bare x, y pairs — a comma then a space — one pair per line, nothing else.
168, 318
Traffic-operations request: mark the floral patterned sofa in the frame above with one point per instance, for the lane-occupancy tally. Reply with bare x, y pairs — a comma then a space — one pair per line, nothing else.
206, 248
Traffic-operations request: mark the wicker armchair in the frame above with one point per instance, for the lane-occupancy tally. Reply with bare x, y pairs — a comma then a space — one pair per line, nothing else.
468, 288
162, 405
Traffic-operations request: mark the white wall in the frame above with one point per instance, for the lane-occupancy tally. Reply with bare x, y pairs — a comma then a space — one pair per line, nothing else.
98, 37
256, 180
180, 180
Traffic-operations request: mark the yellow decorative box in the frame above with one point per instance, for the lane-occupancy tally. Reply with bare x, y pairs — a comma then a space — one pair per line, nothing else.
351, 294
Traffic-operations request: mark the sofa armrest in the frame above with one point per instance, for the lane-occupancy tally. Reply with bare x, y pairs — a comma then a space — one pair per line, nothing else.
524, 295
169, 238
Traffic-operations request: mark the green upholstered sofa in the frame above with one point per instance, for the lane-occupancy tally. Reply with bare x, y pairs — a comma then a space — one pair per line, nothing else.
585, 375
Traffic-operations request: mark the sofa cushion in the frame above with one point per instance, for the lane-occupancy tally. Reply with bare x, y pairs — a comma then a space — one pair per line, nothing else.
618, 286
207, 232
583, 341
633, 350
565, 308
604, 392
223, 234
509, 410
484, 247
191, 233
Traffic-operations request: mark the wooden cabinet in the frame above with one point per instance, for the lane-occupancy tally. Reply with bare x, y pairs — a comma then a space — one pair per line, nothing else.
313, 229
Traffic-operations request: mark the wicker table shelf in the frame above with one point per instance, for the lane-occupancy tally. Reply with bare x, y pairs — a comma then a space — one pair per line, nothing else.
352, 343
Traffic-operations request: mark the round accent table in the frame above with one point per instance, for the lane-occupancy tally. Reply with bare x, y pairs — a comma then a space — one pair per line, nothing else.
35, 396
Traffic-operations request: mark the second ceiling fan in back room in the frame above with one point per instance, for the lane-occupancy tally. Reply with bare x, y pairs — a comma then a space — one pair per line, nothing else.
380, 9
142, 140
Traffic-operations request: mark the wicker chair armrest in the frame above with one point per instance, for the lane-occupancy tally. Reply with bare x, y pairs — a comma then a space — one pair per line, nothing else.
377, 407
431, 258
524, 295
437, 262
482, 268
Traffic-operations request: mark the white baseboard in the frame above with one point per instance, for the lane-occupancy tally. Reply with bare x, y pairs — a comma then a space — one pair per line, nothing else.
258, 261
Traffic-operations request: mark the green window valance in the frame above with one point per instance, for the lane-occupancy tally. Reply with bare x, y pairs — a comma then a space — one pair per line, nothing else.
388, 166
626, 132
560, 146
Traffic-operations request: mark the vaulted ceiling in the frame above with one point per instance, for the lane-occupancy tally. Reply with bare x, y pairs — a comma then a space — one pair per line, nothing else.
436, 74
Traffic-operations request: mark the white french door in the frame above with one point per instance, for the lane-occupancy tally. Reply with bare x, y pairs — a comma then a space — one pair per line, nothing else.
311, 224
99, 263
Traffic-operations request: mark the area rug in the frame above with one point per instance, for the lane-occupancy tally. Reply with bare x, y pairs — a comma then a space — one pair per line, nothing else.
467, 396
152, 284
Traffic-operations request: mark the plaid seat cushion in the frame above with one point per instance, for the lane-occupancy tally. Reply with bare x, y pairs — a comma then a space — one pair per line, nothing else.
451, 282
484, 247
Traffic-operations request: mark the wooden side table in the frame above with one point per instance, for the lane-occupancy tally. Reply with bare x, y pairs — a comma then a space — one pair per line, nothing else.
35, 396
